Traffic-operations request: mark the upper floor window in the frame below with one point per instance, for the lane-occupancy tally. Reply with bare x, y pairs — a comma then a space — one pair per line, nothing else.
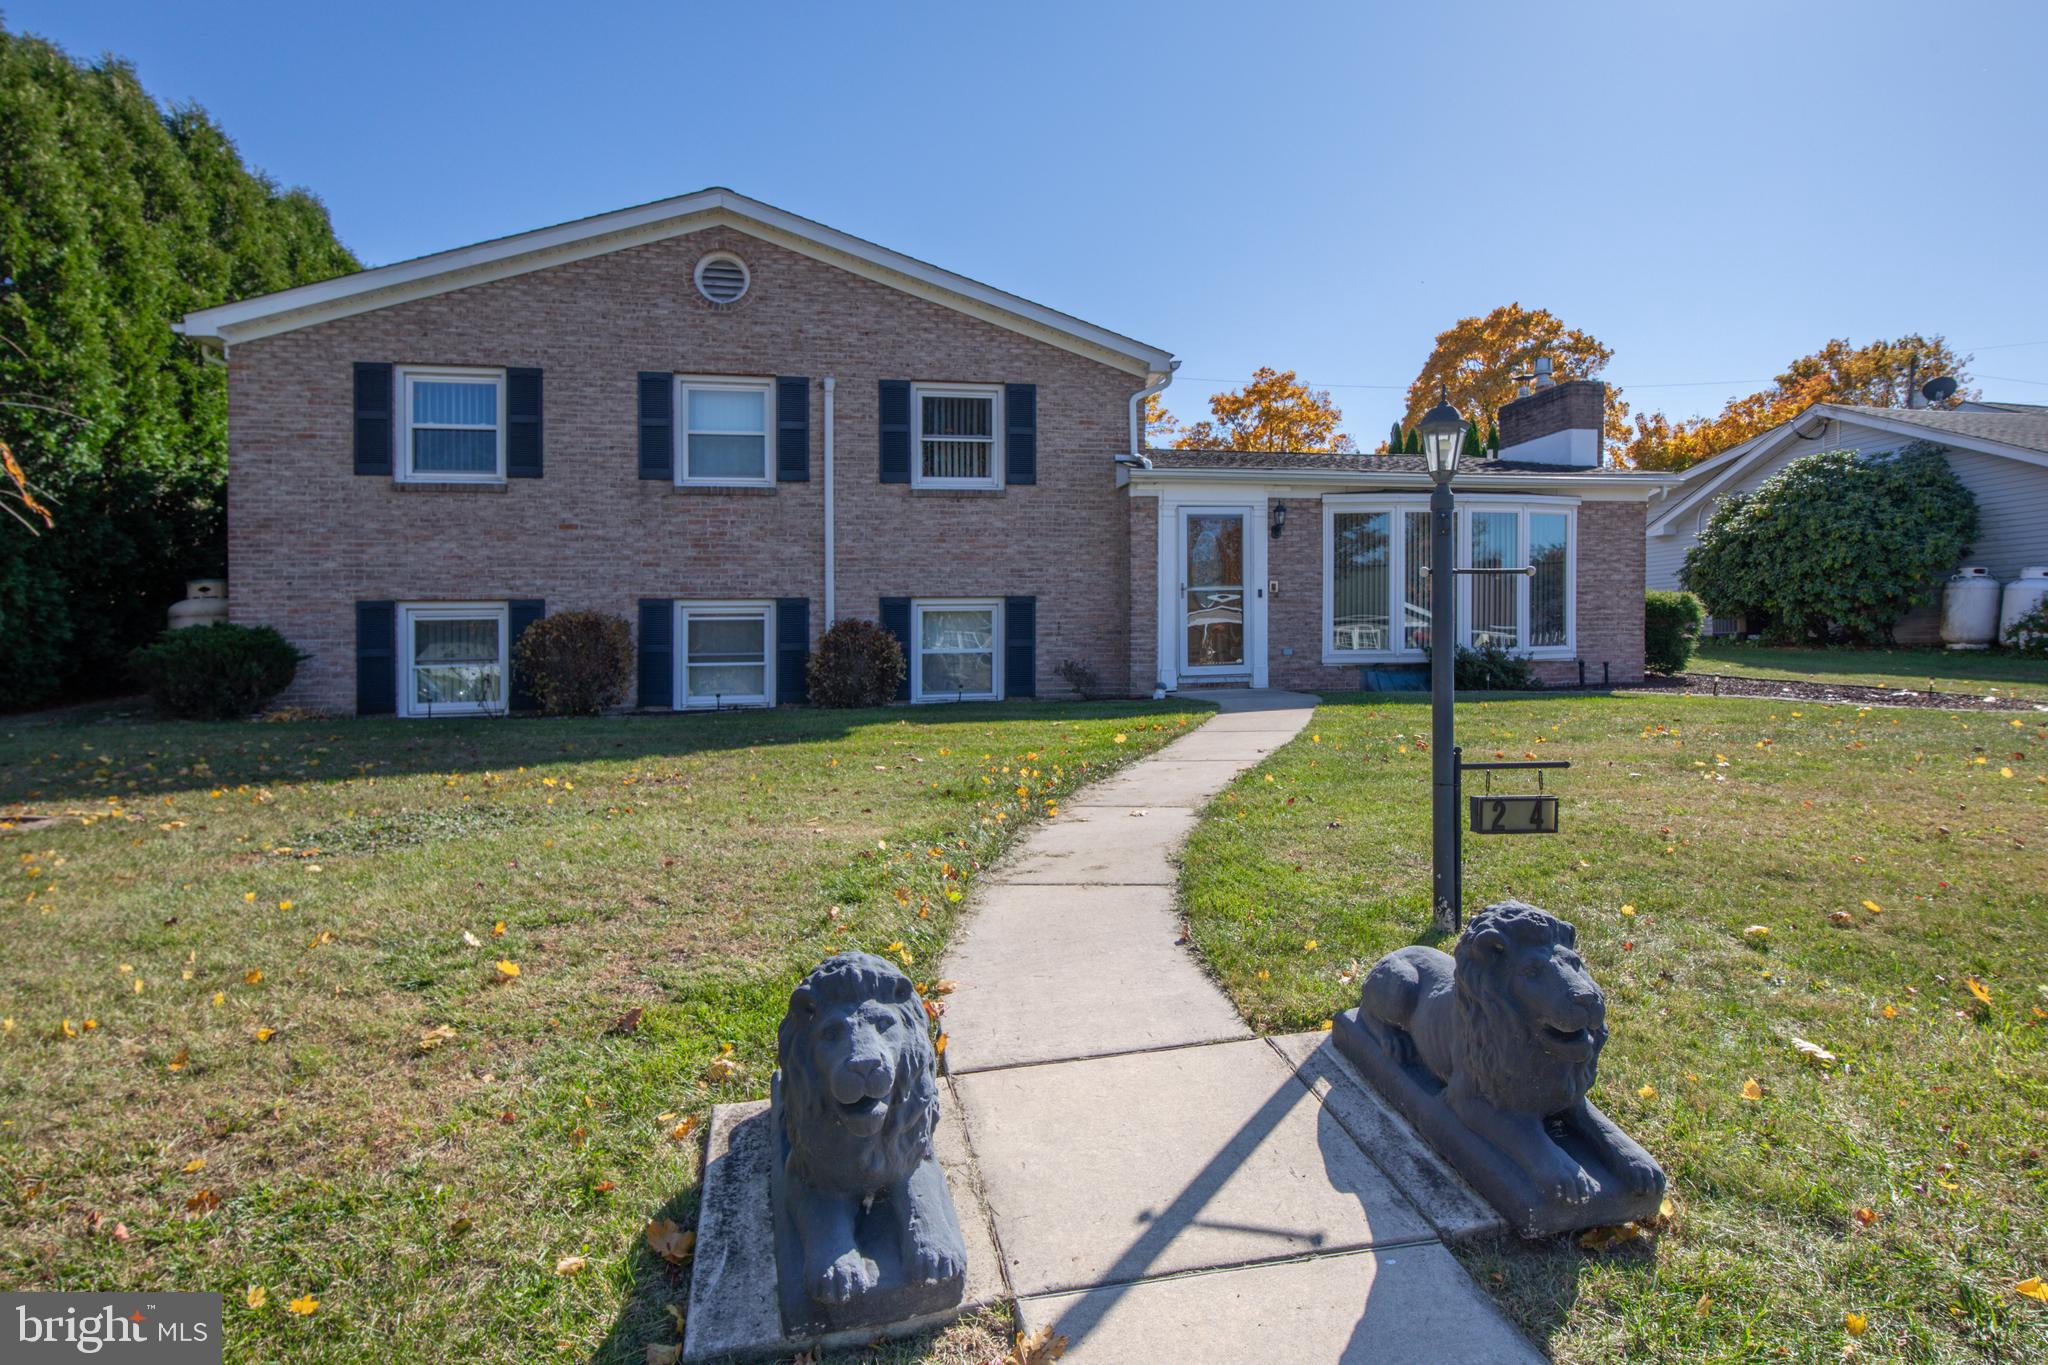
454, 425
724, 431
954, 434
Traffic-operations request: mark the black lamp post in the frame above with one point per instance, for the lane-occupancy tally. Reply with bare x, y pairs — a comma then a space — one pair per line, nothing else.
1443, 437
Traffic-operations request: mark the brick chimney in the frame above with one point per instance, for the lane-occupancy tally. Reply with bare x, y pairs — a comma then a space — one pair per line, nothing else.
1559, 425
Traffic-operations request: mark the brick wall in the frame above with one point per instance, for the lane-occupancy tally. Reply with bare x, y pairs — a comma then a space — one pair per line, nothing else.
1610, 601
1144, 627
307, 537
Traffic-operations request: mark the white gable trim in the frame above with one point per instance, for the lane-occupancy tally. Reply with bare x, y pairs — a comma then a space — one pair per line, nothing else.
1733, 463
504, 257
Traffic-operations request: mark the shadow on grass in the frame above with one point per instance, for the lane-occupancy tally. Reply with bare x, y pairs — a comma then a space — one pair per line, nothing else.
644, 1319
128, 744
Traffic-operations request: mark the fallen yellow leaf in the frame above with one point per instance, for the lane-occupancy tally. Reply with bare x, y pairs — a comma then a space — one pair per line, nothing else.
721, 1069
683, 1129
670, 1242
498, 929
571, 1265
507, 969
1757, 931
1978, 989
265, 1034
195, 1165
304, 1306
1751, 1090
1855, 1324
1647, 1092
257, 1296
1628, 909
252, 976
2032, 1288
1873, 907
434, 1037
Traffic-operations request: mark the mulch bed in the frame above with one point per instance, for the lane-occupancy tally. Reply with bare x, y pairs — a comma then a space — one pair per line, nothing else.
1847, 694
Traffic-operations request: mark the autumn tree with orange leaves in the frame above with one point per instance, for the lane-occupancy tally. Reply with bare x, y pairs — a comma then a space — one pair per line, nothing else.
1477, 359
1275, 411
1880, 374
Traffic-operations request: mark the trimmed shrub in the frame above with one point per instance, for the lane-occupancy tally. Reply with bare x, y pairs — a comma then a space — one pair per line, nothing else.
1080, 677
216, 672
856, 663
1835, 546
1671, 629
1492, 669
2028, 636
576, 663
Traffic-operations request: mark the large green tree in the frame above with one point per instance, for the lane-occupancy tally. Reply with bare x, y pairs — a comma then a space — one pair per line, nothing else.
117, 216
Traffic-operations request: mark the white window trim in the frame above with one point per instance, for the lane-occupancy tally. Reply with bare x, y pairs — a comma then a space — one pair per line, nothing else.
409, 373
992, 392
730, 383
994, 607
409, 705
1398, 504
681, 682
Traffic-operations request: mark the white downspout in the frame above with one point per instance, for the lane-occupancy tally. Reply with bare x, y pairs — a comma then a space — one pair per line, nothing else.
831, 569
1154, 383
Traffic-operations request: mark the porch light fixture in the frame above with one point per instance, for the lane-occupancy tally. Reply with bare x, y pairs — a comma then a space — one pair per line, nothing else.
1443, 437
1279, 519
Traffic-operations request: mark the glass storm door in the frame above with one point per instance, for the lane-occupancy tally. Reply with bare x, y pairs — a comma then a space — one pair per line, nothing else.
1212, 590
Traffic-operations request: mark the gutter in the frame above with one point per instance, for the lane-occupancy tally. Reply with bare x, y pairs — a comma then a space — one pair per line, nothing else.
1155, 382
831, 568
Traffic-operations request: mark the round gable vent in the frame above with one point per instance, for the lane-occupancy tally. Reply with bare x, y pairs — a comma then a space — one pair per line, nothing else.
722, 278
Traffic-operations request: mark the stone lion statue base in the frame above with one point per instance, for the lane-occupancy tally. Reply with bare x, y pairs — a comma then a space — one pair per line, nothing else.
1490, 1053
865, 1230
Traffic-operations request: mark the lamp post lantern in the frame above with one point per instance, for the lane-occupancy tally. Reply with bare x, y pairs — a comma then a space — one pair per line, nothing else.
1443, 438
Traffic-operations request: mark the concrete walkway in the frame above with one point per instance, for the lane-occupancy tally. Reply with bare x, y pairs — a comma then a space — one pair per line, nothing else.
1161, 1181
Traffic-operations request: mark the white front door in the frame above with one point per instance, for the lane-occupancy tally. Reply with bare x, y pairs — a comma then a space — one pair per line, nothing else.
1215, 591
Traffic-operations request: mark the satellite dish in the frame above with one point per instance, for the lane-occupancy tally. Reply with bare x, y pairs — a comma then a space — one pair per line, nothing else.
1939, 389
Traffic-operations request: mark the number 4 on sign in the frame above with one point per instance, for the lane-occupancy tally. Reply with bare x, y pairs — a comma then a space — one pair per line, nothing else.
1514, 814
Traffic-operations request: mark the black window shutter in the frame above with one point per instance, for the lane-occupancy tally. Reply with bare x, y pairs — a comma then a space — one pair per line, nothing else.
522, 424
1020, 435
520, 613
376, 658
373, 418
792, 649
1020, 646
657, 425
896, 620
657, 652
792, 430
895, 431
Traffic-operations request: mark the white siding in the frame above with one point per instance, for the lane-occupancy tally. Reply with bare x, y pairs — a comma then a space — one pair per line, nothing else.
2012, 503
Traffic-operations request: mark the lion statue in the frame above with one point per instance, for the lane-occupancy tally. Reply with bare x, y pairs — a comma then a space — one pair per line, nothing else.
1511, 1027
854, 1101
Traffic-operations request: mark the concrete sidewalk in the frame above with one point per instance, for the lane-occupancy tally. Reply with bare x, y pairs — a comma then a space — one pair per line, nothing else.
1160, 1180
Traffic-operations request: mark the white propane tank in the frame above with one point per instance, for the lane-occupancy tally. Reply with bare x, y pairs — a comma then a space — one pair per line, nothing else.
2022, 595
1969, 609
206, 601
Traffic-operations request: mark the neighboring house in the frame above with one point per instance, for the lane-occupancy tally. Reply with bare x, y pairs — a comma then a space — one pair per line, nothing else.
1998, 450
732, 426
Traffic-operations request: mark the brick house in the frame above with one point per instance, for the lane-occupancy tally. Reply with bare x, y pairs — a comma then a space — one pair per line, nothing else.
732, 425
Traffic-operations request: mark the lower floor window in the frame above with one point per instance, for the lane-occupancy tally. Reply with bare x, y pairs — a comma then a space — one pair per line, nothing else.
1379, 592
724, 657
454, 659
955, 657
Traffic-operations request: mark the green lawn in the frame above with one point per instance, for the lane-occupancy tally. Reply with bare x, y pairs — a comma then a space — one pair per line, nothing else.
1943, 670
1687, 820
228, 957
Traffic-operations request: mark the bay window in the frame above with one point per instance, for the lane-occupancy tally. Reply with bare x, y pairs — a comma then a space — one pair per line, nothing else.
954, 435
957, 653
453, 425
724, 654
452, 659
1377, 585
723, 427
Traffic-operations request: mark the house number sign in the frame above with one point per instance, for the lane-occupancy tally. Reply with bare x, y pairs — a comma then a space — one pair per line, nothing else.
1514, 814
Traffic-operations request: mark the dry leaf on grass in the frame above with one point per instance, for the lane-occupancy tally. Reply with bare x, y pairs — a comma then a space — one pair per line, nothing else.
1751, 1090
257, 1296
434, 1037
508, 970
2032, 1288
1813, 1050
1035, 1348
1978, 989
670, 1242
305, 1305
664, 1355
195, 1165
206, 1201
1855, 1324
571, 1265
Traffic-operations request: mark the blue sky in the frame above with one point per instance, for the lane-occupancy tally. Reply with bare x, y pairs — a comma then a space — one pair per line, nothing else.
1709, 189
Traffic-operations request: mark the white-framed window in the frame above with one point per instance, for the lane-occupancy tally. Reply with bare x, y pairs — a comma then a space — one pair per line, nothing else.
956, 650
452, 425
452, 658
722, 427
725, 654
1376, 579
956, 435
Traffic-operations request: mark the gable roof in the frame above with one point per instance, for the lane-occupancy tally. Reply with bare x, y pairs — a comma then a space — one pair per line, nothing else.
2015, 431
502, 257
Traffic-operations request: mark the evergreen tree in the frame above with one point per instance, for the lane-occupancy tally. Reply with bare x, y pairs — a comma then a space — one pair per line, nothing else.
1413, 444
1395, 440
1475, 443
118, 216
